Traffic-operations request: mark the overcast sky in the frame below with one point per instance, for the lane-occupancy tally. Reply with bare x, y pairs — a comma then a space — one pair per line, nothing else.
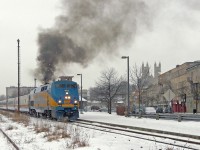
165, 31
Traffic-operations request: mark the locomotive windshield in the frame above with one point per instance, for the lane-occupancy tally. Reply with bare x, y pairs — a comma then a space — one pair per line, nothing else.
72, 86
61, 89
60, 86
66, 85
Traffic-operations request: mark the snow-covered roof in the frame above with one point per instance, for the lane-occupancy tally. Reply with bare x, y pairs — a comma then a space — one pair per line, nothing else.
83, 99
119, 102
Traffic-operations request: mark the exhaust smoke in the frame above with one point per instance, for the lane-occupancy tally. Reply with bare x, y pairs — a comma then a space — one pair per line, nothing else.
85, 29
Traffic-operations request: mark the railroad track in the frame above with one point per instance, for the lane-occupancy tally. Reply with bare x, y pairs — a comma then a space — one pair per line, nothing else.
185, 140
137, 132
9, 139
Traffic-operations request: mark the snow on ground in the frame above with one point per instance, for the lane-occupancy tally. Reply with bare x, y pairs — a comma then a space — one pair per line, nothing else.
187, 127
27, 138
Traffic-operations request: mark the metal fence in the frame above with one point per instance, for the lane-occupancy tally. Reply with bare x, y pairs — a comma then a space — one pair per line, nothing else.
174, 116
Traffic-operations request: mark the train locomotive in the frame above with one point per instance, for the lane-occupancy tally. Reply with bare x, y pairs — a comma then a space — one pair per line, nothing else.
58, 99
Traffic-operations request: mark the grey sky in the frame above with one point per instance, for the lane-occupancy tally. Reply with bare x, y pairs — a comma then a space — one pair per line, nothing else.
169, 33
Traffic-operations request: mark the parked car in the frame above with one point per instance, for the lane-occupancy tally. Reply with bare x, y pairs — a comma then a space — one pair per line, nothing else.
159, 110
103, 109
95, 108
150, 110
167, 110
136, 111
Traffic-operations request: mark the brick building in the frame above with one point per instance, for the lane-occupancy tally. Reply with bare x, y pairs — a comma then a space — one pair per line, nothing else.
183, 82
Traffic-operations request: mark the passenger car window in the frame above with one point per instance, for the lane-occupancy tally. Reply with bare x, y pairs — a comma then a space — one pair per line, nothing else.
44, 88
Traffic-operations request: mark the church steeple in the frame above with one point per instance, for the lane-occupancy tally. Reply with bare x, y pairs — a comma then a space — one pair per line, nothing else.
157, 70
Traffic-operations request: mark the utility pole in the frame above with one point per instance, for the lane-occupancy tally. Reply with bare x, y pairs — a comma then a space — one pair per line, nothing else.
18, 75
128, 95
81, 106
6, 97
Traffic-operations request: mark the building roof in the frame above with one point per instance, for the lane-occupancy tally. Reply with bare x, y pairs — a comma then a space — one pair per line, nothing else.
83, 99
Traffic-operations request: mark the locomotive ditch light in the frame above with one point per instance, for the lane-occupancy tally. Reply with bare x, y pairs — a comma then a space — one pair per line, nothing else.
75, 102
59, 102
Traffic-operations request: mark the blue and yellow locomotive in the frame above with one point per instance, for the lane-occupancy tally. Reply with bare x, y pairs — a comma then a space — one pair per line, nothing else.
58, 99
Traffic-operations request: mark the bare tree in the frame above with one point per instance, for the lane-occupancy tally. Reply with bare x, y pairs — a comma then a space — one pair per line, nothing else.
140, 79
167, 85
108, 86
183, 90
96, 95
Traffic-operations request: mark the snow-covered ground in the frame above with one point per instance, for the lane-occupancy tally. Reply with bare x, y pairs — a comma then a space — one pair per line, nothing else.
187, 127
27, 138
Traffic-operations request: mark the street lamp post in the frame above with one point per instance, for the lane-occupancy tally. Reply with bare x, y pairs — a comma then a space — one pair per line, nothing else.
128, 107
35, 82
81, 106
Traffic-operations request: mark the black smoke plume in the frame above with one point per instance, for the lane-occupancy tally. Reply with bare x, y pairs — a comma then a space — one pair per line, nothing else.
85, 29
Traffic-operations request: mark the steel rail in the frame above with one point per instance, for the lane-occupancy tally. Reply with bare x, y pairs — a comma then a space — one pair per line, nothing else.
147, 129
15, 146
80, 121
86, 122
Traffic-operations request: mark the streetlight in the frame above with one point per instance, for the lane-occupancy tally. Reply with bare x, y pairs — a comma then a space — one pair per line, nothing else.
35, 81
81, 106
127, 57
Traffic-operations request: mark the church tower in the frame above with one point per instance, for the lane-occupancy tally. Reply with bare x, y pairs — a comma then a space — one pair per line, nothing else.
145, 69
157, 70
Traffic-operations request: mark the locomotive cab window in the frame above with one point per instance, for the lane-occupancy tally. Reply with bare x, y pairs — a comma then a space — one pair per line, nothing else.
60, 85
72, 86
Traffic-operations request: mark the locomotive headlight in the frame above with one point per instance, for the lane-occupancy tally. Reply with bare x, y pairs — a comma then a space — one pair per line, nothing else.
75, 102
68, 97
59, 102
